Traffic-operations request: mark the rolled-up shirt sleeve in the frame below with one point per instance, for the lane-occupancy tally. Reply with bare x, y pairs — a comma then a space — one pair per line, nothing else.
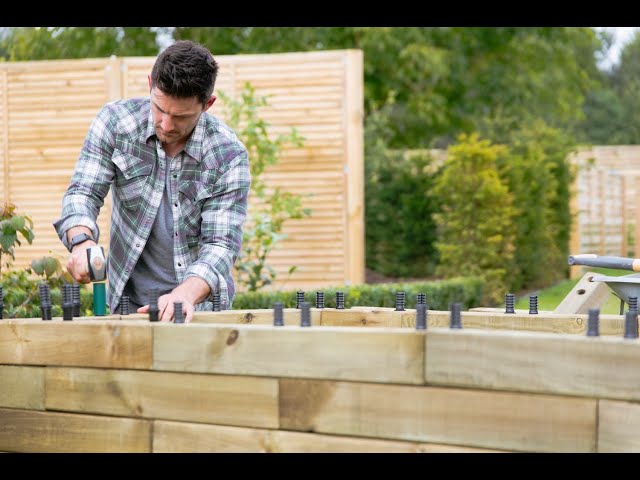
91, 180
223, 217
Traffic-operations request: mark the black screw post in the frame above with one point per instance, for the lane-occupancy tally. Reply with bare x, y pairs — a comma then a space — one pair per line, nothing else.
305, 314
593, 327
533, 305
299, 299
65, 291
421, 316
400, 301
216, 302
456, 318
633, 304
124, 305
319, 299
631, 324
153, 305
67, 302
278, 314
45, 301
421, 298
509, 301
340, 300
67, 311
75, 300
178, 316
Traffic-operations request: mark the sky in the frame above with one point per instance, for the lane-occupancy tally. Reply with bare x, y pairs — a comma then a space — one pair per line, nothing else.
622, 36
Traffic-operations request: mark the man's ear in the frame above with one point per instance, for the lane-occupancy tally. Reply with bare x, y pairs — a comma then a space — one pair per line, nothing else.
210, 102
149, 77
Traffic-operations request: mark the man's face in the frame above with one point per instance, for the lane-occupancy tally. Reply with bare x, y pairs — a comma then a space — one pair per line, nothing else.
174, 118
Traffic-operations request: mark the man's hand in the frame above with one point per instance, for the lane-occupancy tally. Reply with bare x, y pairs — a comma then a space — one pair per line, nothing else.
190, 292
78, 265
165, 307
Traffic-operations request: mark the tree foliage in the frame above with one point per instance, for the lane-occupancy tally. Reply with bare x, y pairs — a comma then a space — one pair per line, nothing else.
51, 43
539, 179
612, 110
475, 226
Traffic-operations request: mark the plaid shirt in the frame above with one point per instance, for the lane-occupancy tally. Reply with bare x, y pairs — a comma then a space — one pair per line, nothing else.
209, 192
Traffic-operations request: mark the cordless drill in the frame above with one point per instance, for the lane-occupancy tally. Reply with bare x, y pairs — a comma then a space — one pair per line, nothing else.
97, 263
98, 273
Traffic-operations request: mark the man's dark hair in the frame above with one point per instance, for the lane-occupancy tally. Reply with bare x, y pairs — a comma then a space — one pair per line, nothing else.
185, 70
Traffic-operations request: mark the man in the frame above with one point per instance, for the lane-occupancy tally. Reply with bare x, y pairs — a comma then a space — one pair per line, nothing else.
180, 180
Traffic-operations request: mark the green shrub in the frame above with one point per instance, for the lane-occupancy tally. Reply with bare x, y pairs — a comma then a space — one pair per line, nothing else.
540, 177
439, 294
21, 295
475, 225
400, 232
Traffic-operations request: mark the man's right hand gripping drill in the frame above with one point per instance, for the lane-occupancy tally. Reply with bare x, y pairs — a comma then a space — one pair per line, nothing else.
80, 239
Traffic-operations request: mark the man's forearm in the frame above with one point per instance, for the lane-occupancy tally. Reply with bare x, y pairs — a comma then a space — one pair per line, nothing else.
194, 289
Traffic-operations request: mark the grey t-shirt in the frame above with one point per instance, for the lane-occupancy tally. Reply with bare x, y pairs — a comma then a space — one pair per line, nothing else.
155, 266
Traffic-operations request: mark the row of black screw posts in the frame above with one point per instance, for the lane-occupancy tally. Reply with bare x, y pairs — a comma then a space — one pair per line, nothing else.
305, 308
510, 300
71, 308
178, 314
593, 319
70, 301
455, 308
630, 320
400, 300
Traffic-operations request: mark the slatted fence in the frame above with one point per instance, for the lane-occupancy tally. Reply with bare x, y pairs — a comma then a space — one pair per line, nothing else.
605, 203
46, 108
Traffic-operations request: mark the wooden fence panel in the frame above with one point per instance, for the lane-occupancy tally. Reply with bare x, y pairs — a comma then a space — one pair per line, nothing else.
49, 106
604, 201
4, 134
46, 108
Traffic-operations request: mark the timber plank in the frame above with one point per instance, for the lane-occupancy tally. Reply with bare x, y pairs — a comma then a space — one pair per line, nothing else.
368, 317
86, 343
618, 427
246, 401
291, 316
51, 432
473, 418
543, 322
22, 387
179, 437
494, 319
562, 364
377, 355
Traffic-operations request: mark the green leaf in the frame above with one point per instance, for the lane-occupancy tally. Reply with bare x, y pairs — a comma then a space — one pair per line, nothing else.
17, 222
28, 234
38, 266
7, 228
50, 265
7, 241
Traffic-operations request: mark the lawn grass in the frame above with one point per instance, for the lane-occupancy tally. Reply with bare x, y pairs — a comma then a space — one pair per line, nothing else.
549, 298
